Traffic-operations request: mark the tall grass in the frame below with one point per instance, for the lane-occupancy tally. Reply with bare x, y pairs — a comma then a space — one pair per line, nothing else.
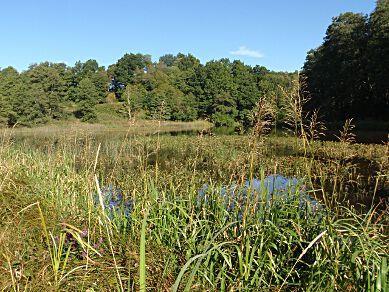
174, 241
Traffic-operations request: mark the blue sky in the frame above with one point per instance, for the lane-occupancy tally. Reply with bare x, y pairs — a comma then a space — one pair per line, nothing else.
273, 33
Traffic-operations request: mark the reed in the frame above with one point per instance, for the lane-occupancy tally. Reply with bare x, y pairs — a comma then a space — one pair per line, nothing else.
55, 235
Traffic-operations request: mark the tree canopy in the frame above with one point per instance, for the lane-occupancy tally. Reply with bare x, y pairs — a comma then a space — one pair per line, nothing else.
177, 87
348, 75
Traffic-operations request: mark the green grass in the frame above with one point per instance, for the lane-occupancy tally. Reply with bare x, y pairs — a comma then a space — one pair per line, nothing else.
47, 183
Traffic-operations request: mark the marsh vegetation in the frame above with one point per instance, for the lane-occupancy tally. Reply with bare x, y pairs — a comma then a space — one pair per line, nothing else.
53, 234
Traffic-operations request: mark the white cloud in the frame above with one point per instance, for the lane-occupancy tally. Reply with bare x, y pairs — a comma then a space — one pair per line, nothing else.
244, 51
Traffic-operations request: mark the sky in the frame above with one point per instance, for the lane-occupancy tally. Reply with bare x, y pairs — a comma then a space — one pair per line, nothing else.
272, 33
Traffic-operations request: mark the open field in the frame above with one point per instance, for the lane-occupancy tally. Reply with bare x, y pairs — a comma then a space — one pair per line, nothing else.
116, 128
56, 233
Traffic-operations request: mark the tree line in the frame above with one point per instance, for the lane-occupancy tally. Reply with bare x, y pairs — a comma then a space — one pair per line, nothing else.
177, 87
348, 75
345, 77
44, 92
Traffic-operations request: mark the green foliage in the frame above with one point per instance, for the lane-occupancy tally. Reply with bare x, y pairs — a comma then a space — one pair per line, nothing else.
347, 75
87, 97
32, 97
246, 94
10, 84
378, 59
225, 112
5, 110
184, 108
215, 79
34, 106
126, 67
135, 95
157, 105
186, 62
90, 69
51, 78
168, 60
177, 88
